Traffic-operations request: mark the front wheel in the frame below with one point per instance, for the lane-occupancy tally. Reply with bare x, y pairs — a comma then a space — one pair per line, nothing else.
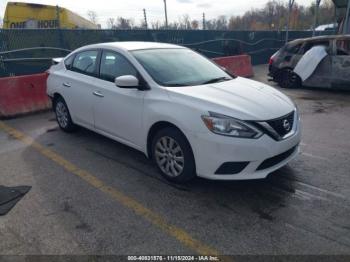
289, 79
173, 155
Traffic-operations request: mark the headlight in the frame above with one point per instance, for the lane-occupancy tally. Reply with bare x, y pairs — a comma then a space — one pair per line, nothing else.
227, 126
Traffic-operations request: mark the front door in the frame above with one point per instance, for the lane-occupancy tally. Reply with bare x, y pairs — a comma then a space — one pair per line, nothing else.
118, 111
321, 76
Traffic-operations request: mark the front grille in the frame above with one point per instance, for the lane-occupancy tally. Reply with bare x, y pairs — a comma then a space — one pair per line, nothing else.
276, 128
283, 125
267, 163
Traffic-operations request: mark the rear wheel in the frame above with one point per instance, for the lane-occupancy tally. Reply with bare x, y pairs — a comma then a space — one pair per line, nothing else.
288, 79
173, 155
63, 117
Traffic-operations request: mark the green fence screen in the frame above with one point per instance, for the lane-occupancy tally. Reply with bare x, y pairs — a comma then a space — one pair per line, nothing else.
27, 51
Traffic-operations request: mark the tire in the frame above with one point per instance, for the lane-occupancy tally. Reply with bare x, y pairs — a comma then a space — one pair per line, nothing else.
173, 156
288, 79
63, 117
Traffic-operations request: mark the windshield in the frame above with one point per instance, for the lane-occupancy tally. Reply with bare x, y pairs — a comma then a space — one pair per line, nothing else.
179, 67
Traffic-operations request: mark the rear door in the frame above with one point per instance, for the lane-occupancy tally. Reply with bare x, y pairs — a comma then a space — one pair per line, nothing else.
79, 83
341, 64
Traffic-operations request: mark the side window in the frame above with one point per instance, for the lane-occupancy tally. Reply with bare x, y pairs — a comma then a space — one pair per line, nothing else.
69, 61
85, 62
310, 45
343, 47
293, 49
114, 65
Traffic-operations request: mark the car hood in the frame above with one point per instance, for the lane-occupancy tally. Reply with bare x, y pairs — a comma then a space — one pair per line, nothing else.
239, 98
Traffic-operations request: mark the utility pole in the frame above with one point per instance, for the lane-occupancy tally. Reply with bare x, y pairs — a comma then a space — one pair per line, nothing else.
58, 16
145, 17
203, 21
316, 16
166, 15
346, 20
290, 7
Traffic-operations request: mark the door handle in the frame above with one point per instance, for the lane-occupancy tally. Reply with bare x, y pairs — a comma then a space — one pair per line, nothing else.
97, 93
66, 84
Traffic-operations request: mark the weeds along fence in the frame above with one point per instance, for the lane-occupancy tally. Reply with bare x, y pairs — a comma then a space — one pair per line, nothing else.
28, 51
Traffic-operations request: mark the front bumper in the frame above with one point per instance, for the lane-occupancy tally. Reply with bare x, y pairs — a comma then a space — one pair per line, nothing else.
262, 156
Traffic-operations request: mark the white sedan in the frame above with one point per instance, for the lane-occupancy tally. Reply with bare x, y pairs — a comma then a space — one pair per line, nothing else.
178, 108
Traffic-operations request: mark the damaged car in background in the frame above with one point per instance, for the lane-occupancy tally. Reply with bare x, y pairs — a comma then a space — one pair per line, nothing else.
322, 62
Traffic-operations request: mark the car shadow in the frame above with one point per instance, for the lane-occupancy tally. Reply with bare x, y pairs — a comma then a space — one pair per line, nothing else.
262, 197
269, 191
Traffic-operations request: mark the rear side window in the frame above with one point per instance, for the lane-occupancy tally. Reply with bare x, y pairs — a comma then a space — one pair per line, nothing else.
85, 62
343, 47
114, 65
293, 49
310, 45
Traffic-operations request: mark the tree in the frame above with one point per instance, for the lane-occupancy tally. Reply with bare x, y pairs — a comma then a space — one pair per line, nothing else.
326, 12
111, 23
194, 24
210, 24
124, 23
92, 15
185, 22
221, 23
155, 25
274, 14
174, 25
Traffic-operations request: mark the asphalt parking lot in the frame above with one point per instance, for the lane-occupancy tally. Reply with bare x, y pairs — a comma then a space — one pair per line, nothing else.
91, 195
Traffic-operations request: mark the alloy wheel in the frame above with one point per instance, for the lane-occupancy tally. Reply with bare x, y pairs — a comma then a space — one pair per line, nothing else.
62, 114
169, 156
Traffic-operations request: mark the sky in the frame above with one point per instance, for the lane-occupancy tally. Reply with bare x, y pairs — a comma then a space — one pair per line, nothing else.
154, 8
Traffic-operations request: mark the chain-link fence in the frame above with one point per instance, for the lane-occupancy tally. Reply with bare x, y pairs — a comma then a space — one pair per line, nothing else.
30, 50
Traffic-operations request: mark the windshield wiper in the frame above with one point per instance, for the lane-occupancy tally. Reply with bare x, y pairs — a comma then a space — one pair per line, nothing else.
216, 80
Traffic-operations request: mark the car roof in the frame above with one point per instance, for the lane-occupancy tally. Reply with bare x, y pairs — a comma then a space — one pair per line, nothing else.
133, 45
319, 38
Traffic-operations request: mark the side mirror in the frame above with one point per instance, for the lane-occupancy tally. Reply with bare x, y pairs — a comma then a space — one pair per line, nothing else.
126, 81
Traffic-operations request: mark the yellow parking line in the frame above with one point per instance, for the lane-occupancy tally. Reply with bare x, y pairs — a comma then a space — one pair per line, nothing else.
182, 236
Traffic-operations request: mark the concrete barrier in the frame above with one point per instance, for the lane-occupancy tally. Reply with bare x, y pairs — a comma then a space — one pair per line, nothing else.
23, 94
239, 65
